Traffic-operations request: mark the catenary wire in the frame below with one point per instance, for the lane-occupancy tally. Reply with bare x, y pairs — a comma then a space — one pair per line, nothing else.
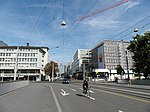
54, 18
31, 16
130, 27
84, 15
47, 24
38, 18
132, 31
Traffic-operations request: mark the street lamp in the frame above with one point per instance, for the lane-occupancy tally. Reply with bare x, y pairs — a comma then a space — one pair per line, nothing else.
136, 30
63, 23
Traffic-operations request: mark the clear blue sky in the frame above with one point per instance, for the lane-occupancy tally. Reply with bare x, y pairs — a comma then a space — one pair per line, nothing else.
22, 21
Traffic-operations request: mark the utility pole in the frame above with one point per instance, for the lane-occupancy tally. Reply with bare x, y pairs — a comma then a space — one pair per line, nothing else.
127, 65
52, 71
84, 76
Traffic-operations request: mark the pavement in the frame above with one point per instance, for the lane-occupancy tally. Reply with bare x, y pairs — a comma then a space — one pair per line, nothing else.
57, 97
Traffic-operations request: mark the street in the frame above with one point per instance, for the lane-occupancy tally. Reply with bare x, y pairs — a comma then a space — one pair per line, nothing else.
57, 97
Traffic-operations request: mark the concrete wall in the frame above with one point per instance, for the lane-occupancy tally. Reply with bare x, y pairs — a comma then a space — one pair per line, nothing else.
140, 82
6, 87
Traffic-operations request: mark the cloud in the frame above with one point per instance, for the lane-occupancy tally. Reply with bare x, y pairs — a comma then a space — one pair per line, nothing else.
102, 23
111, 18
132, 3
43, 5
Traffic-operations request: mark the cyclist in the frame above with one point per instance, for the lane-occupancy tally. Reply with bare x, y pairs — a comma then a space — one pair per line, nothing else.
85, 86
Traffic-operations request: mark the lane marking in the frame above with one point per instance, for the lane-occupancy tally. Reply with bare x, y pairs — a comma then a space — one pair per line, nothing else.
124, 90
56, 100
91, 91
73, 89
89, 97
64, 93
126, 96
92, 98
120, 111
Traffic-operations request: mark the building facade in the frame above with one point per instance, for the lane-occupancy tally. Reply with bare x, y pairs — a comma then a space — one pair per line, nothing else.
80, 57
23, 62
108, 54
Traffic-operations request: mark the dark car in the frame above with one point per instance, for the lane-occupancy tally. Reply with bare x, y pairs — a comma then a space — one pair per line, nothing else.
65, 81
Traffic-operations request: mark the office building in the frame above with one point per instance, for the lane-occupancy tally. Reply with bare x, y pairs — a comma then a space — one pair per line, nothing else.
81, 56
23, 62
108, 54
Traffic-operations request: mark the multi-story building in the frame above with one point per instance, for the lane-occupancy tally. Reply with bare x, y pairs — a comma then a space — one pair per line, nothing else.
80, 57
69, 68
23, 62
108, 54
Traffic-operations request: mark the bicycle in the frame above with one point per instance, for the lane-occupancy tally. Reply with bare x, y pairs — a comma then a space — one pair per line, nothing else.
86, 92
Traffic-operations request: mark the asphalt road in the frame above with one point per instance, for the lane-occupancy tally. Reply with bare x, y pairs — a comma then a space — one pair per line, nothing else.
56, 97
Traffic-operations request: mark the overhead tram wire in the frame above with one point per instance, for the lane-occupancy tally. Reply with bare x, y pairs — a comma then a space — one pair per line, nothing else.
132, 31
102, 10
49, 21
85, 14
102, 4
39, 17
131, 26
63, 42
30, 16
47, 24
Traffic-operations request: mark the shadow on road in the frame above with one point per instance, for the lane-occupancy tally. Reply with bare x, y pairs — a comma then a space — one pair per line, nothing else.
81, 95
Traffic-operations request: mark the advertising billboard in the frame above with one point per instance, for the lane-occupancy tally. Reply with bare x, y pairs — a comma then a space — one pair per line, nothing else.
101, 57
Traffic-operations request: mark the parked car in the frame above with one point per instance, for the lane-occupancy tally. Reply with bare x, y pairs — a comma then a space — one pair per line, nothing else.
65, 81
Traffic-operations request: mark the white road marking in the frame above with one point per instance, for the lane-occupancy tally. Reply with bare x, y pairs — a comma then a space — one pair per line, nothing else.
120, 111
73, 89
64, 93
92, 91
56, 101
63, 90
90, 97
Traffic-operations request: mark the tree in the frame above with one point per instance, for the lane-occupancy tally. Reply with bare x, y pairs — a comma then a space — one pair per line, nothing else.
48, 69
140, 47
120, 70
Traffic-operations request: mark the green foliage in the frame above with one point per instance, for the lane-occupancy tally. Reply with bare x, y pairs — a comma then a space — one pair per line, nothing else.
120, 70
48, 68
140, 47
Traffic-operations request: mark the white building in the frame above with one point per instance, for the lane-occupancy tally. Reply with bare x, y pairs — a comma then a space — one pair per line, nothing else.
80, 56
23, 61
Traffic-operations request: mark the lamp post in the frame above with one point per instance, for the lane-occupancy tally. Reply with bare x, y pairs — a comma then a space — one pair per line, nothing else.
52, 71
16, 64
2, 76
127, 66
